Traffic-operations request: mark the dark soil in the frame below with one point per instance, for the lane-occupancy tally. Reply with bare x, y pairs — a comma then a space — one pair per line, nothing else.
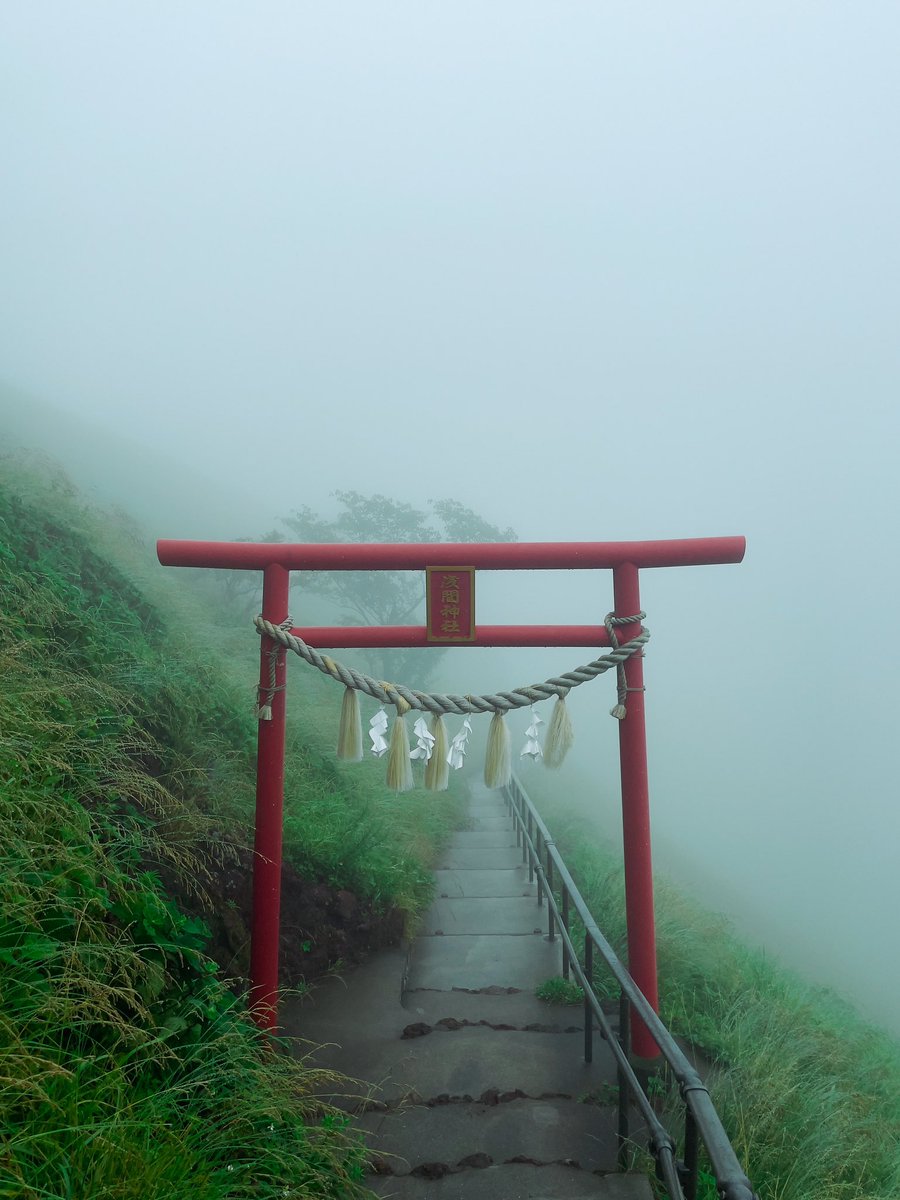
320, 926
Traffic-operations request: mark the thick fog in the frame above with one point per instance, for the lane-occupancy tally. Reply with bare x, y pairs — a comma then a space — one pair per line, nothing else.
600, 272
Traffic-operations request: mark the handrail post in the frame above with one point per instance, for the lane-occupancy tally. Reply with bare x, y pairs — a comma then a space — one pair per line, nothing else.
269, 811
528, 849
588, 1011
691, 1155
540, 876
551, 924
636, 815
565, 921
625, 1043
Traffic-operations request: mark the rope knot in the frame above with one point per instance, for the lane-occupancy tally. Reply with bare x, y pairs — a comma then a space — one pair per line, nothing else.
394, 697
619, 710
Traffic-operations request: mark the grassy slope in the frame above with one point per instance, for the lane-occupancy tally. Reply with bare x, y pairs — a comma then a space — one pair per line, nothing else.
126, 749
126, 1068
809, 1093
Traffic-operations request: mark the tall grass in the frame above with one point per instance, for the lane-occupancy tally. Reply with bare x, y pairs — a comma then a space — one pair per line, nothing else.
127, 1067
809, 1093
377, 842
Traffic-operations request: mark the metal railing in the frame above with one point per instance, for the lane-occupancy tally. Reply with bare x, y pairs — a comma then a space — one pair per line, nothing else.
702, 1124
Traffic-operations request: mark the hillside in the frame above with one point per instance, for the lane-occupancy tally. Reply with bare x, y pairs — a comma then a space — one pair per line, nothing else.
127, 761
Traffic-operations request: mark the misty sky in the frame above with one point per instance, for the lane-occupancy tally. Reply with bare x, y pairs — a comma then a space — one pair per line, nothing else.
600, 271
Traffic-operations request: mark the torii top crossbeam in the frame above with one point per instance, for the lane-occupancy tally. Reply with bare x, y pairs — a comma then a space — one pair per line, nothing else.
625, 559
415, 556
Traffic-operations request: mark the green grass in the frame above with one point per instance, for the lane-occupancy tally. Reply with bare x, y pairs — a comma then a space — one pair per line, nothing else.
808, 1092
127, 756
559, 991
374, 841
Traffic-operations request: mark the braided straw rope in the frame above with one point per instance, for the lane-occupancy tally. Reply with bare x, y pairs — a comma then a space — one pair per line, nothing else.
436, 702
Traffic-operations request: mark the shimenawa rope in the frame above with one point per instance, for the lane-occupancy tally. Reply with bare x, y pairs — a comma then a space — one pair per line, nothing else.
439, 703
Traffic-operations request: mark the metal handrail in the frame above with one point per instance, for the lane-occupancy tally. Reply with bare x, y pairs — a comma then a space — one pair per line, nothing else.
702, 1122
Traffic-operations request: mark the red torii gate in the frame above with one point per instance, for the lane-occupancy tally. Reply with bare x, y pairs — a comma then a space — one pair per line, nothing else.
624, 559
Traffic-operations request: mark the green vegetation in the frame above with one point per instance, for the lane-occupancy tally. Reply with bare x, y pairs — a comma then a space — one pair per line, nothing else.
809, 1093
559, 991
127, 1067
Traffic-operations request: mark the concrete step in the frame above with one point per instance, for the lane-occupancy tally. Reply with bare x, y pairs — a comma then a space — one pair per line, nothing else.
468, 961
490, 809
366, 1001
477, 1059
482, 839
486, 915
543, 1130
516, 1181
482, 794
518, 1009
474, 883
479, 859
465, 1065
490, 822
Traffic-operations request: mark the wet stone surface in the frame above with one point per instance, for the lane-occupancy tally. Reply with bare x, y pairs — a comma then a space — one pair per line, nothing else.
468, 1086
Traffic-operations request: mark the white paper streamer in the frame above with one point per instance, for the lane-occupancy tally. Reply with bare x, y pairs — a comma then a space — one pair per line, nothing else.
425, 743
456, 755
532, 733
377, 729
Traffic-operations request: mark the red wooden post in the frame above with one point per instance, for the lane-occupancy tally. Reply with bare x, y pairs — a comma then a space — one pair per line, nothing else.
269, 806
636, 815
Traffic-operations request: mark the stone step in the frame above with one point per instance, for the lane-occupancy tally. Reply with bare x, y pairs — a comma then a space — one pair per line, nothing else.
546, 1131
468, 961
479, 859
474, 1060
466, 1065
518, 1009
494, 915
487, 820
474, 883
482, 839
482, 794
517, 1181
489, 812
364, 1002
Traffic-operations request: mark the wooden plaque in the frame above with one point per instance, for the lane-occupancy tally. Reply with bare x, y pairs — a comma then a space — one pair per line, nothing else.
450, 597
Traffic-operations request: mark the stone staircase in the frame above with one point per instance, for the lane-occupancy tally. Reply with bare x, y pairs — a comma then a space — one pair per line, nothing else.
469, 1087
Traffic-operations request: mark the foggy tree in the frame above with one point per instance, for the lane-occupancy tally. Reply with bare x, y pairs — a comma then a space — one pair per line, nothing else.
373, 597
386, 597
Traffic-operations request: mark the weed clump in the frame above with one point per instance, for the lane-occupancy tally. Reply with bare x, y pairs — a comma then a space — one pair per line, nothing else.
559, 991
